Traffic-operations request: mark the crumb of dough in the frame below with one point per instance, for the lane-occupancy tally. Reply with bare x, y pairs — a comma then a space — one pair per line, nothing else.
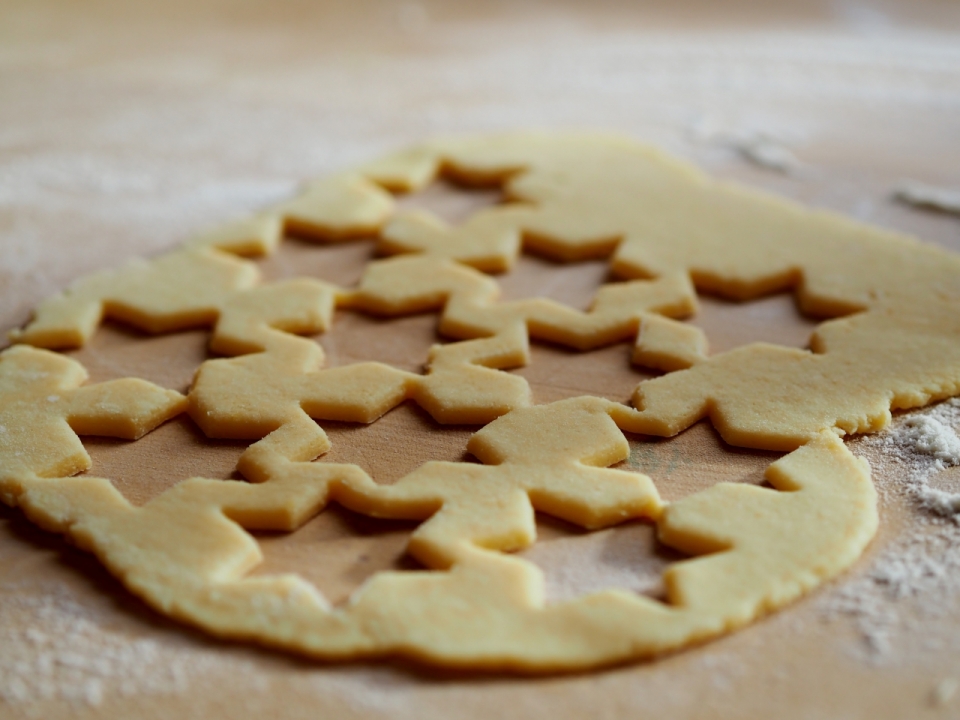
757, 148
768, 154
933, 197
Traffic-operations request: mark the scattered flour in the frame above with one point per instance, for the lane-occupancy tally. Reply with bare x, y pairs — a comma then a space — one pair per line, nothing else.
923, 445
922, 566
56, 648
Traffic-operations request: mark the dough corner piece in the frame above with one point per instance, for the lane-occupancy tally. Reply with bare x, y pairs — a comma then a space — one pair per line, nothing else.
44, 406
187, 553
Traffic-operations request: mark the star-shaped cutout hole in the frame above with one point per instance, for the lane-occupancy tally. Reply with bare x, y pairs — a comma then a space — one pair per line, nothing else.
773, 319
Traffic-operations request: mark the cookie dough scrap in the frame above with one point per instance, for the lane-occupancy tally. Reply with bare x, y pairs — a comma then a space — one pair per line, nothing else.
342, 207
44, 406
889, 341
582, 196
460, 386
181, 290
186, 552
190, 288
585, 196
160, 296
247, 397
205, 285
469, 309
859, 369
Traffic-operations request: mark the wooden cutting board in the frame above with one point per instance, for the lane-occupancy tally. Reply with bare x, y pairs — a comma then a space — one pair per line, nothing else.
123, 130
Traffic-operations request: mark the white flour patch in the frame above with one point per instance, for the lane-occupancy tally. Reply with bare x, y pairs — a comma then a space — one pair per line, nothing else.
923, 445
54, 647
918, 574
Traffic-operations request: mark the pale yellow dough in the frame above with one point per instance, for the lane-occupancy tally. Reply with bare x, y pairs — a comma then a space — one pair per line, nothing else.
43, 407
667, 229
186, 554
588, 196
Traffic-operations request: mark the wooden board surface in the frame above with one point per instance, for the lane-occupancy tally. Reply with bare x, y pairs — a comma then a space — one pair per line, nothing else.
123, 130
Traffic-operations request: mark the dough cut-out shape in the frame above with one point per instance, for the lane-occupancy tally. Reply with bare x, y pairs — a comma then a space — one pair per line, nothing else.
158, 296
44, 406
248, 396
198, 287
186, 553
460, 386
339, 208
578, 197
252, 395
468, 300
584, 196
667, 229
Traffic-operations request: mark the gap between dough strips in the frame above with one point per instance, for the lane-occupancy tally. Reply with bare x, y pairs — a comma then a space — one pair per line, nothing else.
889, 340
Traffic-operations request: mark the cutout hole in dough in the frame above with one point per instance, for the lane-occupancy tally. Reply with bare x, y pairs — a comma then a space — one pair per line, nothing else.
694, 460
451, 200
341, 263
173, 452
576, 562
396, 444
556, 372
337, 551
773, 319
575, 284
118, 350
403, 342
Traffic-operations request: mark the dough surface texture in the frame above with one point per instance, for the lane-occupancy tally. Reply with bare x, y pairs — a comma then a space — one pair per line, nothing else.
186, 552
889, 339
